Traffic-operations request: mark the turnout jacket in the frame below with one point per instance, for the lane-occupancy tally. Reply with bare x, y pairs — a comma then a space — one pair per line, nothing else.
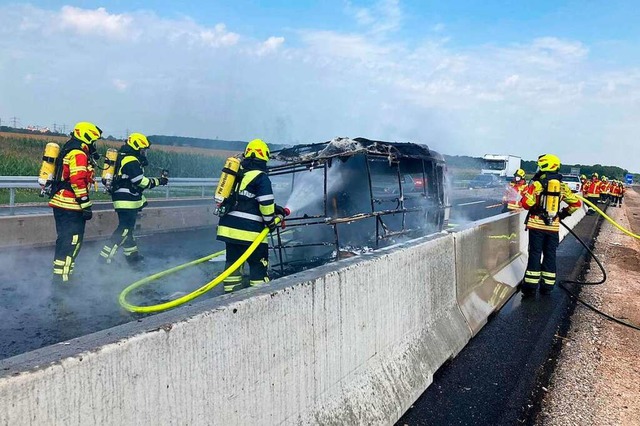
594, 188
73, 178
254, 208
531, 200
513, 194
129, 181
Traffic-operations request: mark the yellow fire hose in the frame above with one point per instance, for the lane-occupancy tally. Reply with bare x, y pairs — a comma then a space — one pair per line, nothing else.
603, 214
187, 297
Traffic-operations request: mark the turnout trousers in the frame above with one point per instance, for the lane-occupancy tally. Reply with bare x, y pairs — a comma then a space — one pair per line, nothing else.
258, 265
542, 244
70, 229
123, 237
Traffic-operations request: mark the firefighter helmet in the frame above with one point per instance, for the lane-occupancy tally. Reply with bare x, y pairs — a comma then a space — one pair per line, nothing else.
548, 163
257, 148
604, 178
86, 132
138, 141
583, 177
595, 175
519, 173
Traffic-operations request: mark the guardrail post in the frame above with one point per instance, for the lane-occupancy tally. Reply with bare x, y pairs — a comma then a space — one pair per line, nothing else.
166, 194
202, 196
12, 197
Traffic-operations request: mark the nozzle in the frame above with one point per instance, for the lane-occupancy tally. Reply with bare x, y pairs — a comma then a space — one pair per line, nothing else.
287, 211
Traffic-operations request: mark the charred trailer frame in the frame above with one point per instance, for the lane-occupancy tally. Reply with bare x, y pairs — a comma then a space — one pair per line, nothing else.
350, 195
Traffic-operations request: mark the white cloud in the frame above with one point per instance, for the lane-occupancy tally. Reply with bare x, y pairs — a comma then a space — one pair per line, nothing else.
207, 80
270, 45
383, 17
120, 85
97, 22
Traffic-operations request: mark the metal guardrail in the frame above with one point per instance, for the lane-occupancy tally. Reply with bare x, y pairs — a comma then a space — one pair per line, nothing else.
31, 182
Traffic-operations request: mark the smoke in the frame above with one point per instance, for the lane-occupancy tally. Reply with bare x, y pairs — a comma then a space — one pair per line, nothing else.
307, 192
34, 313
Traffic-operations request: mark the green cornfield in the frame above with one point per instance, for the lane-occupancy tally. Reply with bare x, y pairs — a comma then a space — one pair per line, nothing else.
22, 156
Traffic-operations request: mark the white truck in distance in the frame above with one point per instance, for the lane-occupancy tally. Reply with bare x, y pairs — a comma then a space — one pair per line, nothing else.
500, 165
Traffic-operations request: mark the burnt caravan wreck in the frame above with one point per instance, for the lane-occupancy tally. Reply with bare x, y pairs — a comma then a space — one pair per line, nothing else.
348, 196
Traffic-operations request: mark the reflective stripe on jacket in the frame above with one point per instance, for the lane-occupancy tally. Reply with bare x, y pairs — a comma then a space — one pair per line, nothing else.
514, 194
254, 209
594, 188
531, 201
75, 178
130, 182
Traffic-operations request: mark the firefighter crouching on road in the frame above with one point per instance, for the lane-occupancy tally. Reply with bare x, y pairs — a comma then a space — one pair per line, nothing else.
542, 199
253, 209
511, 198
128, 184
70, 200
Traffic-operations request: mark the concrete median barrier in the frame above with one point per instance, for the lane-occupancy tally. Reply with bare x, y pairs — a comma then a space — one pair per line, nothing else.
355, 342
490, 262
39, 230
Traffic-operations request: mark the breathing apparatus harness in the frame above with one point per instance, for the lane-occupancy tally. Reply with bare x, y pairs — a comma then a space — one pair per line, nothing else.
57, 183
226, 195
548, 206
120, 180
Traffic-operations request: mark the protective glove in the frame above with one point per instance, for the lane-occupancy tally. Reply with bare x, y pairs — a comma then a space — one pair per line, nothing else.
282, 212
87, 213
564, 213
163, 180
85, 205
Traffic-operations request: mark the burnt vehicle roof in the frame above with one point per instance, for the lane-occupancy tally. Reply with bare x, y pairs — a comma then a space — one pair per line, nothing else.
340, 147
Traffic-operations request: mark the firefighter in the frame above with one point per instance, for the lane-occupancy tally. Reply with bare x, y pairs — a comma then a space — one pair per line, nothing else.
127, 187
593, 191
253, 209
584, 184
542, 199
70, 200
605, 190
511, 198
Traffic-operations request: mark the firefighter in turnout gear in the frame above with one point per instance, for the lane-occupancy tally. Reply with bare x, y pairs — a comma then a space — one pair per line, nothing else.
70, 196
253, 208
511, 198
542, 199
127, 186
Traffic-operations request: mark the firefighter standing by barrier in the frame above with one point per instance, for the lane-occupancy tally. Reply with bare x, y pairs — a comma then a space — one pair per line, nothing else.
126, 190
593, 191
249, 209
69, 191
542, 199
513, 194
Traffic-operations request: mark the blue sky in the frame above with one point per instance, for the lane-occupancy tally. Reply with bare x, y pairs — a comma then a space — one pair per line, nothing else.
465, 77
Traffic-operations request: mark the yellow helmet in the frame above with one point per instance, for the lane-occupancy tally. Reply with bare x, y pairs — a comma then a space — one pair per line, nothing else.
548, 163
594, 175
87, 132
257, 148
583, 177
604, 178
138, 141
519, 172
